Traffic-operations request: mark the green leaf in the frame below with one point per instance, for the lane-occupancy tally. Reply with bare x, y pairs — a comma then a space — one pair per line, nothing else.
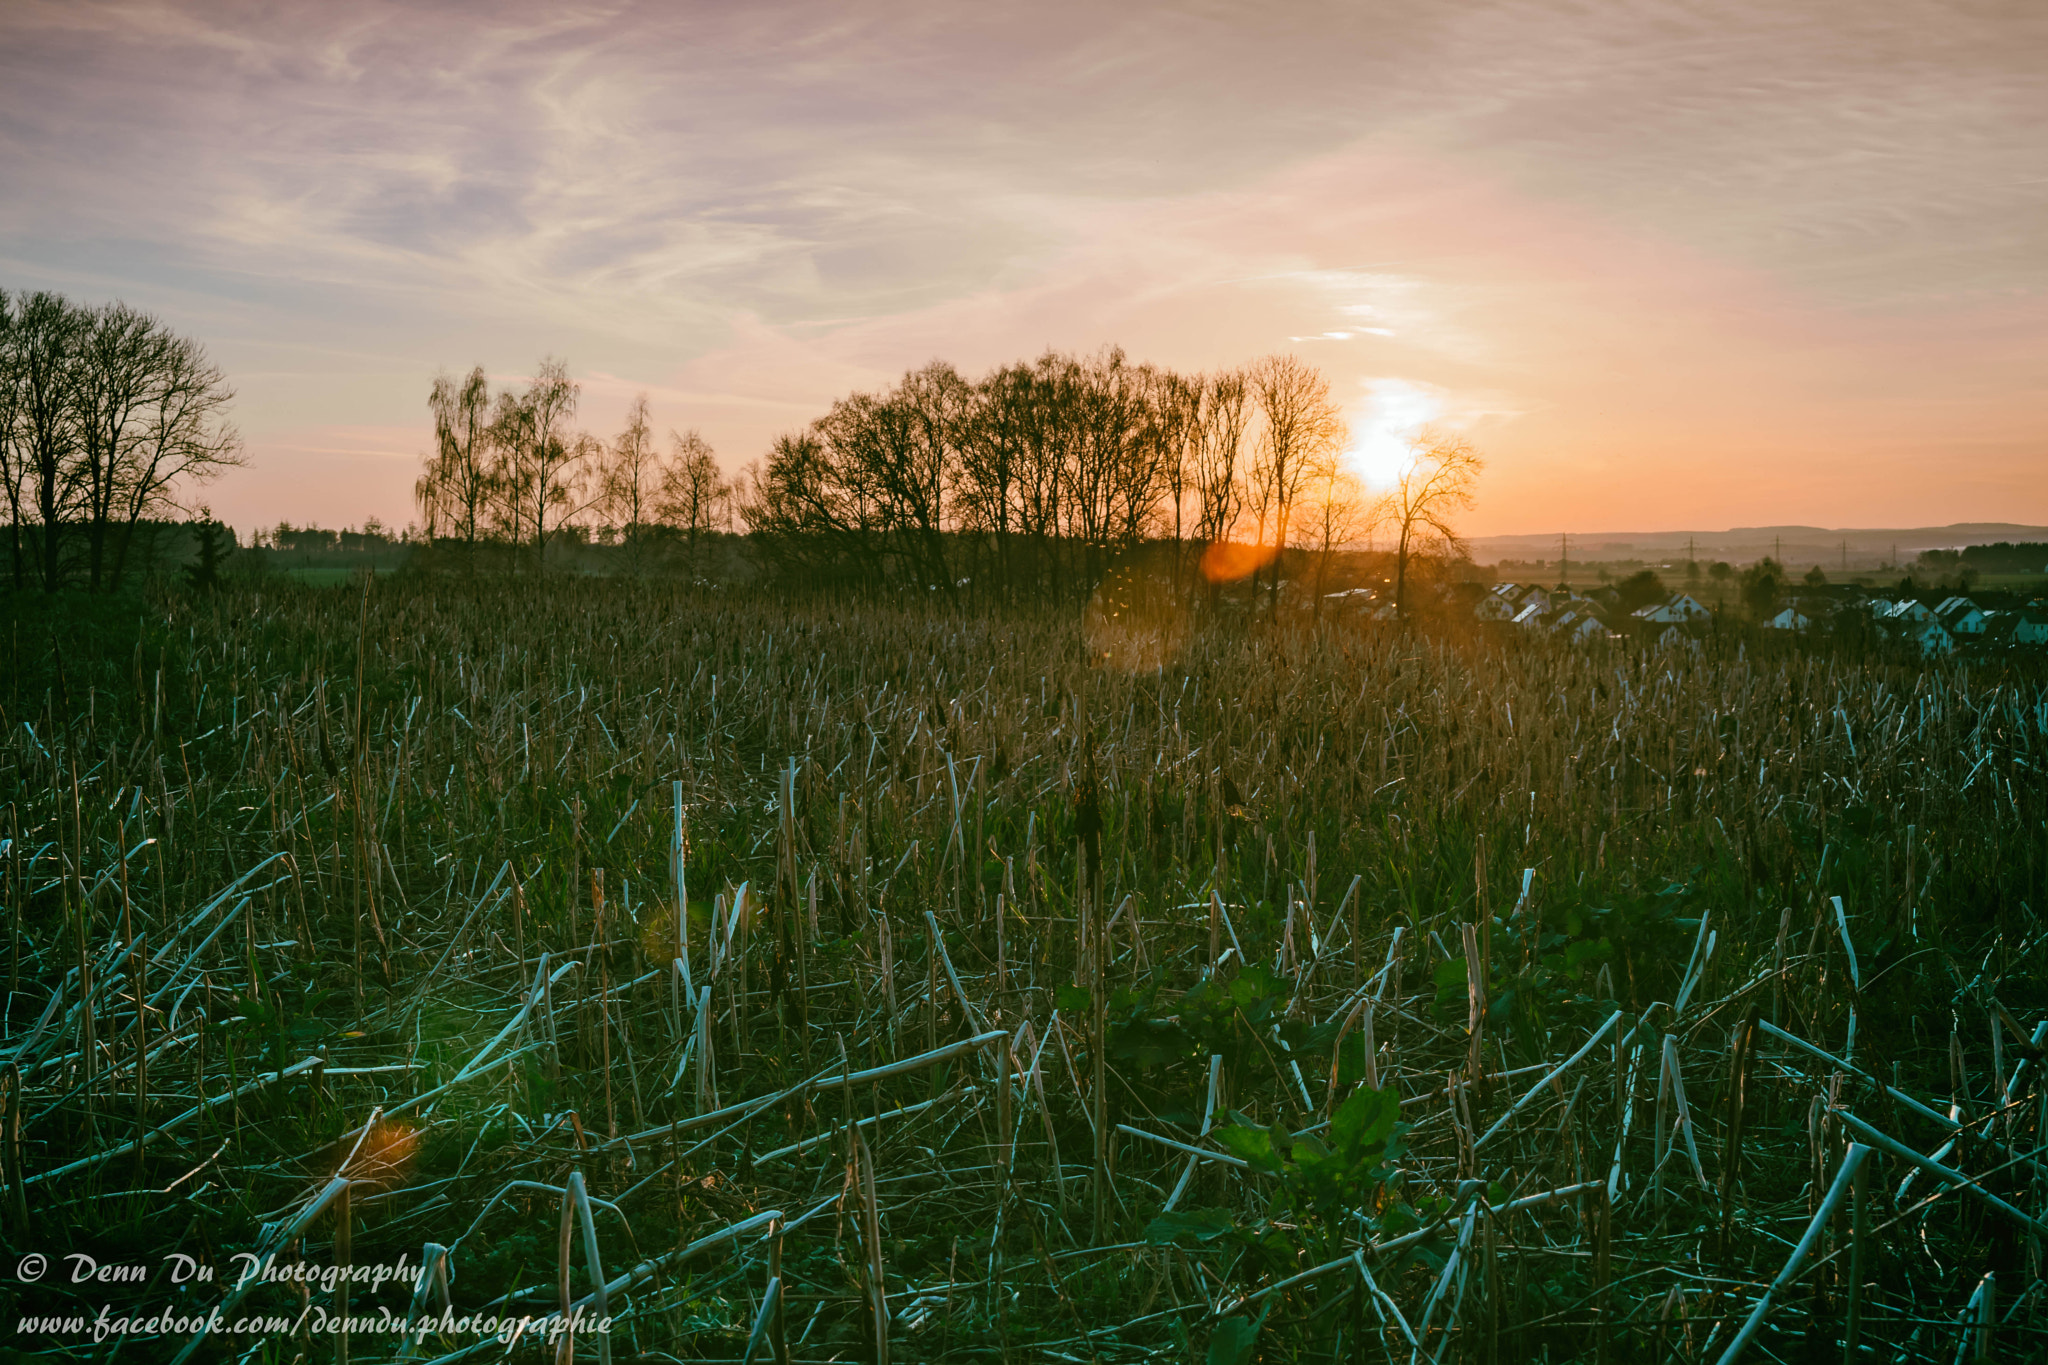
1149, 1042
1072, 999
1363, 1123
1254, 1145
1253, 985
1232, 1342
1351, 1061
1194, 1225
1587, 950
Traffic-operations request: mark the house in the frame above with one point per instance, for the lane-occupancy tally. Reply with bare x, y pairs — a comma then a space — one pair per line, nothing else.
1579, 626
1879, 606
1929, 635
1789, 619
1681, 608
2029, 628
1532, 614
1908, 611
1960, 616
1493, 607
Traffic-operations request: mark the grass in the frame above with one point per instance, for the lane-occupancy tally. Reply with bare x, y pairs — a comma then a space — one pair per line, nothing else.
423, 833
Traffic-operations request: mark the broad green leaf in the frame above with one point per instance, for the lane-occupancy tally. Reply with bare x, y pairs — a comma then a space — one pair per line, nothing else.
1365, 1120
1232, 1342
1255, 1145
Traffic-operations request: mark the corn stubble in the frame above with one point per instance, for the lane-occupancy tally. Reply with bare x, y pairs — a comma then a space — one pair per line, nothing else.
884, 984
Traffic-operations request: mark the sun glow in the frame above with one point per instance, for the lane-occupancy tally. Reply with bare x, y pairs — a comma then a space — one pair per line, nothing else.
1383, 443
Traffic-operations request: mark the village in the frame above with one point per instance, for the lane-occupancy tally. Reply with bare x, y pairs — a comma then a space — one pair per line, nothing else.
1931, 623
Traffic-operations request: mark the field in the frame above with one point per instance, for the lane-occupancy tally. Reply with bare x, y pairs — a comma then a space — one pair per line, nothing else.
1083, 987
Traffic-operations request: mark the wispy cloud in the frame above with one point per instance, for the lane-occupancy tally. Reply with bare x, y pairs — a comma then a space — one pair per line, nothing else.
1682, 247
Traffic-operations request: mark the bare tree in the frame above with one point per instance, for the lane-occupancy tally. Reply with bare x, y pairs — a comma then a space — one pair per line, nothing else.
537, 469
183, 436
1437, 482
1113, 460
629, 484
1338, 512
694, 496
812, 512
13, 446
121, 354
995, 453
1041, 398
927, 419
1177, 419
102, 411
1301, 425
455, 490
1219, 454
45, 370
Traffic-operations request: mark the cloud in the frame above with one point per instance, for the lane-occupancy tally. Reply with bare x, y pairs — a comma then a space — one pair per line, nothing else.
1638, 245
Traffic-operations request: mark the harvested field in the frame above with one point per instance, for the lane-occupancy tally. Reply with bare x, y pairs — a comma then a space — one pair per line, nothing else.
1044, 989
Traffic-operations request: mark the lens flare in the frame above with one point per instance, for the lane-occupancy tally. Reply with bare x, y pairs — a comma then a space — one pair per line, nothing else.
385, 1154
1226, 561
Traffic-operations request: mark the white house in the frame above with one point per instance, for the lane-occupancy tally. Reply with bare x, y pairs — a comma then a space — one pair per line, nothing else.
1908, 610
1960, 616
2030, 629
1879, 606
1681, 608
1788, 619
1493, 607
1532, 614
1579, 626
1929, 635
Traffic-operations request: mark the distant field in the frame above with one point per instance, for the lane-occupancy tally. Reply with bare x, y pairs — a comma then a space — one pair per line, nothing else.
990, 922
319, 578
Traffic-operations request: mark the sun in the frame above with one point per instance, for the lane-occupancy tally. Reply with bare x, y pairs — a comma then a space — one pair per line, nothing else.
1383, 444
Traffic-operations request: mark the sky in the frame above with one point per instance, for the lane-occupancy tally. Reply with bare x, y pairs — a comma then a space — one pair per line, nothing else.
1666, 265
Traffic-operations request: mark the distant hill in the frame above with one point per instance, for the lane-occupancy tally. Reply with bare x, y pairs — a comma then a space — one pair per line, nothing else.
1861, 547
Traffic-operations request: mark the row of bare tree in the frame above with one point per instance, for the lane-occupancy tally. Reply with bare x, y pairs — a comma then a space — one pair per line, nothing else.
1026, 482
106, 418
508, 469
1021, 485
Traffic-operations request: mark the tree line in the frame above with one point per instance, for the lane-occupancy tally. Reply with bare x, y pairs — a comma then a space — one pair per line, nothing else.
508, 470
1025, 483
106, 417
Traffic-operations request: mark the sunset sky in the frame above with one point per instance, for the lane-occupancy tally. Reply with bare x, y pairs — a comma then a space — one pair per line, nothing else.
1667, 265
